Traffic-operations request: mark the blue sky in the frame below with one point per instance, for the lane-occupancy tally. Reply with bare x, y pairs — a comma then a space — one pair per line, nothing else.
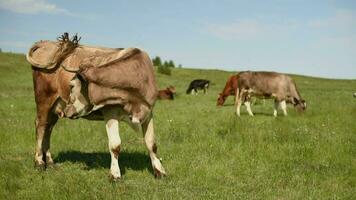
315, 38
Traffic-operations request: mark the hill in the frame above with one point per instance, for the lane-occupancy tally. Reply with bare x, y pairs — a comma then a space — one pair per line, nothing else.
207, 151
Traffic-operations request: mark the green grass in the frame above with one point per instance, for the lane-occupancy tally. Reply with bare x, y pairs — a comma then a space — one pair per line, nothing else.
207, 151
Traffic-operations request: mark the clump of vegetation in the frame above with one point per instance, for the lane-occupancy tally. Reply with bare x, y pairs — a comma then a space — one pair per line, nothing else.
165, 67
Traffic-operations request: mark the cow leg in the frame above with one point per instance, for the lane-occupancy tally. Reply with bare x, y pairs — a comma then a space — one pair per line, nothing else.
238, 102
283, 107
248, 107
52, 120
40, 161
112, 130
45, 122
238, 106
275, 108
158, 169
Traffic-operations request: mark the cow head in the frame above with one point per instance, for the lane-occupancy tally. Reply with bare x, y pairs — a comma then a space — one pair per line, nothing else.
300, 105
79, 104
221, 100
172, 89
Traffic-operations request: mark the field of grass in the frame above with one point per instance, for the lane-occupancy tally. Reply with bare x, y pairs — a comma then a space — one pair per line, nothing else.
208, 152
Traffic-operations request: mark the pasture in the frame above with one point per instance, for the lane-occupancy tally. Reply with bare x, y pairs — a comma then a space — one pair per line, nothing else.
207, 151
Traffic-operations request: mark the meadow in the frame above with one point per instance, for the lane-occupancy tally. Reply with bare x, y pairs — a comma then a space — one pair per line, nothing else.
207, 151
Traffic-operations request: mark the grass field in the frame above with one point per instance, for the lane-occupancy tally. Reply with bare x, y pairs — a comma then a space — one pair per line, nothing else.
208, 152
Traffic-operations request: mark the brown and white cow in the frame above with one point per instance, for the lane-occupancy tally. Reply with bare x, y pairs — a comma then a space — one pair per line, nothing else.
167, 93
125, 85
229, 90
274, 85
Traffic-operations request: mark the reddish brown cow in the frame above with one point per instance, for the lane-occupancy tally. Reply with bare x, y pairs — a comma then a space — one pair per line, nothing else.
55, 84
229, 90
167, 93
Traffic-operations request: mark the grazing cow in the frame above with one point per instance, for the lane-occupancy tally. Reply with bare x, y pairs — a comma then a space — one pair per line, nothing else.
229, 89
200, 84
274, 85
167, 93
122, 87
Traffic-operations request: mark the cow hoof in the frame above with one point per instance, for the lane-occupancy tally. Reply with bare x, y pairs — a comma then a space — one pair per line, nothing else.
114, 179
158, 174
51, 165
40, 166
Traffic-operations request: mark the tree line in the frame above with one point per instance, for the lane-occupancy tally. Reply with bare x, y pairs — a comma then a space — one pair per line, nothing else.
165, 66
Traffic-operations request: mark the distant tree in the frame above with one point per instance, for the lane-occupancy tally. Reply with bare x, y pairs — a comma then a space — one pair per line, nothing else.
0, 50
163, 69
179, 66
157, 61
165, 64
171, 64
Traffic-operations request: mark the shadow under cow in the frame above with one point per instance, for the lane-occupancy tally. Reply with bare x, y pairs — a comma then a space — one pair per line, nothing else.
127, 160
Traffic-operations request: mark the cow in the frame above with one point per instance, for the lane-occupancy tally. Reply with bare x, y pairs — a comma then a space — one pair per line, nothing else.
354, 95
58, 68
200, 84
279, 87
229, 90
167, 93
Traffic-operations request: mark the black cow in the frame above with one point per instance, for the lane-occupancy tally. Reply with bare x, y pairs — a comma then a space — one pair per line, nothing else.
200, 84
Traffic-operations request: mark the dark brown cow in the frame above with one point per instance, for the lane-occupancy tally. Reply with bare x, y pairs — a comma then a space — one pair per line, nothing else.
54, 85
167, 93
229, 90
274, 85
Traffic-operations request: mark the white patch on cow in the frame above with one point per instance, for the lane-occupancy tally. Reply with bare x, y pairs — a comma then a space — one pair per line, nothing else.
135, 120
79, 106
96, 107
275, 108
72, 83
283, 107
112, 129
156, 164
206, 88
248, 107
238, 106
150, 142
